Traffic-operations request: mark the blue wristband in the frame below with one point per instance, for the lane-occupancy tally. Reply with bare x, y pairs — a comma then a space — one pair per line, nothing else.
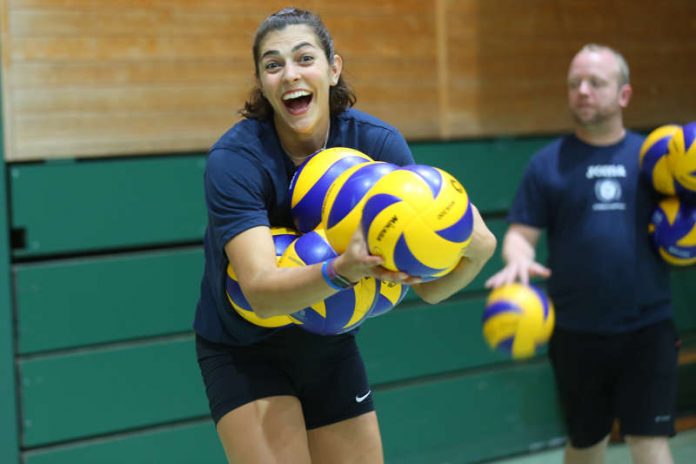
334, 280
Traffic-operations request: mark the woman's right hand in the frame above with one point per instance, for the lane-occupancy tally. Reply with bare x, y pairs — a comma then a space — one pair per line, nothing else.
357, 262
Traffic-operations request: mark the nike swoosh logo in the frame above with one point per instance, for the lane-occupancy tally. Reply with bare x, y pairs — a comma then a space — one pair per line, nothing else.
360, 399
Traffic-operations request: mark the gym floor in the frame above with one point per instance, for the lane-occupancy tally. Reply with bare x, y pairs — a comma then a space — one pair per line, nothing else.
683, 450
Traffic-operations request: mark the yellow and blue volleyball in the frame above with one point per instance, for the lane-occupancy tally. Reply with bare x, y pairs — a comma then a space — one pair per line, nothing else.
518, 319
342, 311
311, 182
653, 159
681, 157
344, 201
390, 295
673, 231
418, 218
282, 238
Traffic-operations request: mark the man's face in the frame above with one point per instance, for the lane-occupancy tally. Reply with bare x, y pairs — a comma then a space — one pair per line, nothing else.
595, 94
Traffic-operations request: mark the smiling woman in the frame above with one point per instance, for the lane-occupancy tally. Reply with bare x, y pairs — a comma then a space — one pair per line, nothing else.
298, 76
283, 394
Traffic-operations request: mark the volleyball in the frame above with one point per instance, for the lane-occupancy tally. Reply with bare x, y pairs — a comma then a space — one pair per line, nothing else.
518, 319
419, 219
682, 158
653, 159
282, 238
673, 231
311, 181
344, 200
342, 311
390, 294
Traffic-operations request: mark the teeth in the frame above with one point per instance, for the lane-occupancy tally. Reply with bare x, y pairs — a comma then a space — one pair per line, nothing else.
296, 94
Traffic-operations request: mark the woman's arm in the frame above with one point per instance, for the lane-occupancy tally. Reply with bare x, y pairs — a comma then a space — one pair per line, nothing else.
273, 291
269, 289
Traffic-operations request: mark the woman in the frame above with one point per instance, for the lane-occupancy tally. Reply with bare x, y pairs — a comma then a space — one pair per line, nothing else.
286, 395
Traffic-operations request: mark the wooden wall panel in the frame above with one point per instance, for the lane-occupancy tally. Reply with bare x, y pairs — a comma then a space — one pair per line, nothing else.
508, 74
88, 78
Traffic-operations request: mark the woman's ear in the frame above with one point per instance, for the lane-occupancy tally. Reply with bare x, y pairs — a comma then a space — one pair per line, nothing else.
336, 68
260, 88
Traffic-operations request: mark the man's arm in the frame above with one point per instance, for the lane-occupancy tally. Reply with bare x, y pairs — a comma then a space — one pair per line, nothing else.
519, 253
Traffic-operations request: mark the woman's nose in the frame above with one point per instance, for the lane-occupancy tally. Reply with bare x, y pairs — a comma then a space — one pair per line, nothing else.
291, 73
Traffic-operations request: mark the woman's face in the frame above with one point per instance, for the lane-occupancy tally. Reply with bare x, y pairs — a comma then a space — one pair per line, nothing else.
295, 77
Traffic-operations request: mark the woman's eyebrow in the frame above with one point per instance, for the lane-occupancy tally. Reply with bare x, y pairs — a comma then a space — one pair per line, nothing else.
294, 49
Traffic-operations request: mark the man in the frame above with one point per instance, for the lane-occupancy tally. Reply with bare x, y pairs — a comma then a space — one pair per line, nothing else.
614, 350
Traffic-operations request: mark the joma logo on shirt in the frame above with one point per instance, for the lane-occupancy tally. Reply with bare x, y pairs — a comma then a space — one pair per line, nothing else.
605, 170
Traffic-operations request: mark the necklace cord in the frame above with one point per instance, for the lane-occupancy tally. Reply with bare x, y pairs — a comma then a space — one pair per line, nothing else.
300, 158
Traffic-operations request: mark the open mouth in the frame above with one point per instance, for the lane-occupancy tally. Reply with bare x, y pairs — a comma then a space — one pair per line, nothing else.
297, 101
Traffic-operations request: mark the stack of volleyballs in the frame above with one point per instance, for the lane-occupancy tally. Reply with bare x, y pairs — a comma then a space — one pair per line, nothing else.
668, 162
417, 217
309, 187
518, 319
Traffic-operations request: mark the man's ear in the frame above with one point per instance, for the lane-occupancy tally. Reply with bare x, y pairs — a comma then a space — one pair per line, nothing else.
625, 95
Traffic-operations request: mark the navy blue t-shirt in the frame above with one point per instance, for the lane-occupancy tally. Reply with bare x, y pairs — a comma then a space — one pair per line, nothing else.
247, 178
595, 206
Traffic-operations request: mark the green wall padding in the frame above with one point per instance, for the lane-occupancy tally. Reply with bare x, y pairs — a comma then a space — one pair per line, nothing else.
468, 418
9, 438
490, 170
68, 207
124, 384
195, 443
684, 297
412, 342
94, 392
77, 302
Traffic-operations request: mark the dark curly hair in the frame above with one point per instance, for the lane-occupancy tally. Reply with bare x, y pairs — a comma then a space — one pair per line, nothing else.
341, 97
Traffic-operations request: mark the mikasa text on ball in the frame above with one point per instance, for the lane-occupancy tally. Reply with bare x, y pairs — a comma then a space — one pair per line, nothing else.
418, 218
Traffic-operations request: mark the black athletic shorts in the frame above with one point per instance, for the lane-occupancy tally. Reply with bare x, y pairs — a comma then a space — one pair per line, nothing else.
326, 373
629, 376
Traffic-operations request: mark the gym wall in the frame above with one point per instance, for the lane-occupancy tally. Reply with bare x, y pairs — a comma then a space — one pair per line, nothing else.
84, 78
109, 108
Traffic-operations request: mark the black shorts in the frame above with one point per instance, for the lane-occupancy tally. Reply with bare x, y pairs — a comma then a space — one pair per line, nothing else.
629, 376
326, 373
